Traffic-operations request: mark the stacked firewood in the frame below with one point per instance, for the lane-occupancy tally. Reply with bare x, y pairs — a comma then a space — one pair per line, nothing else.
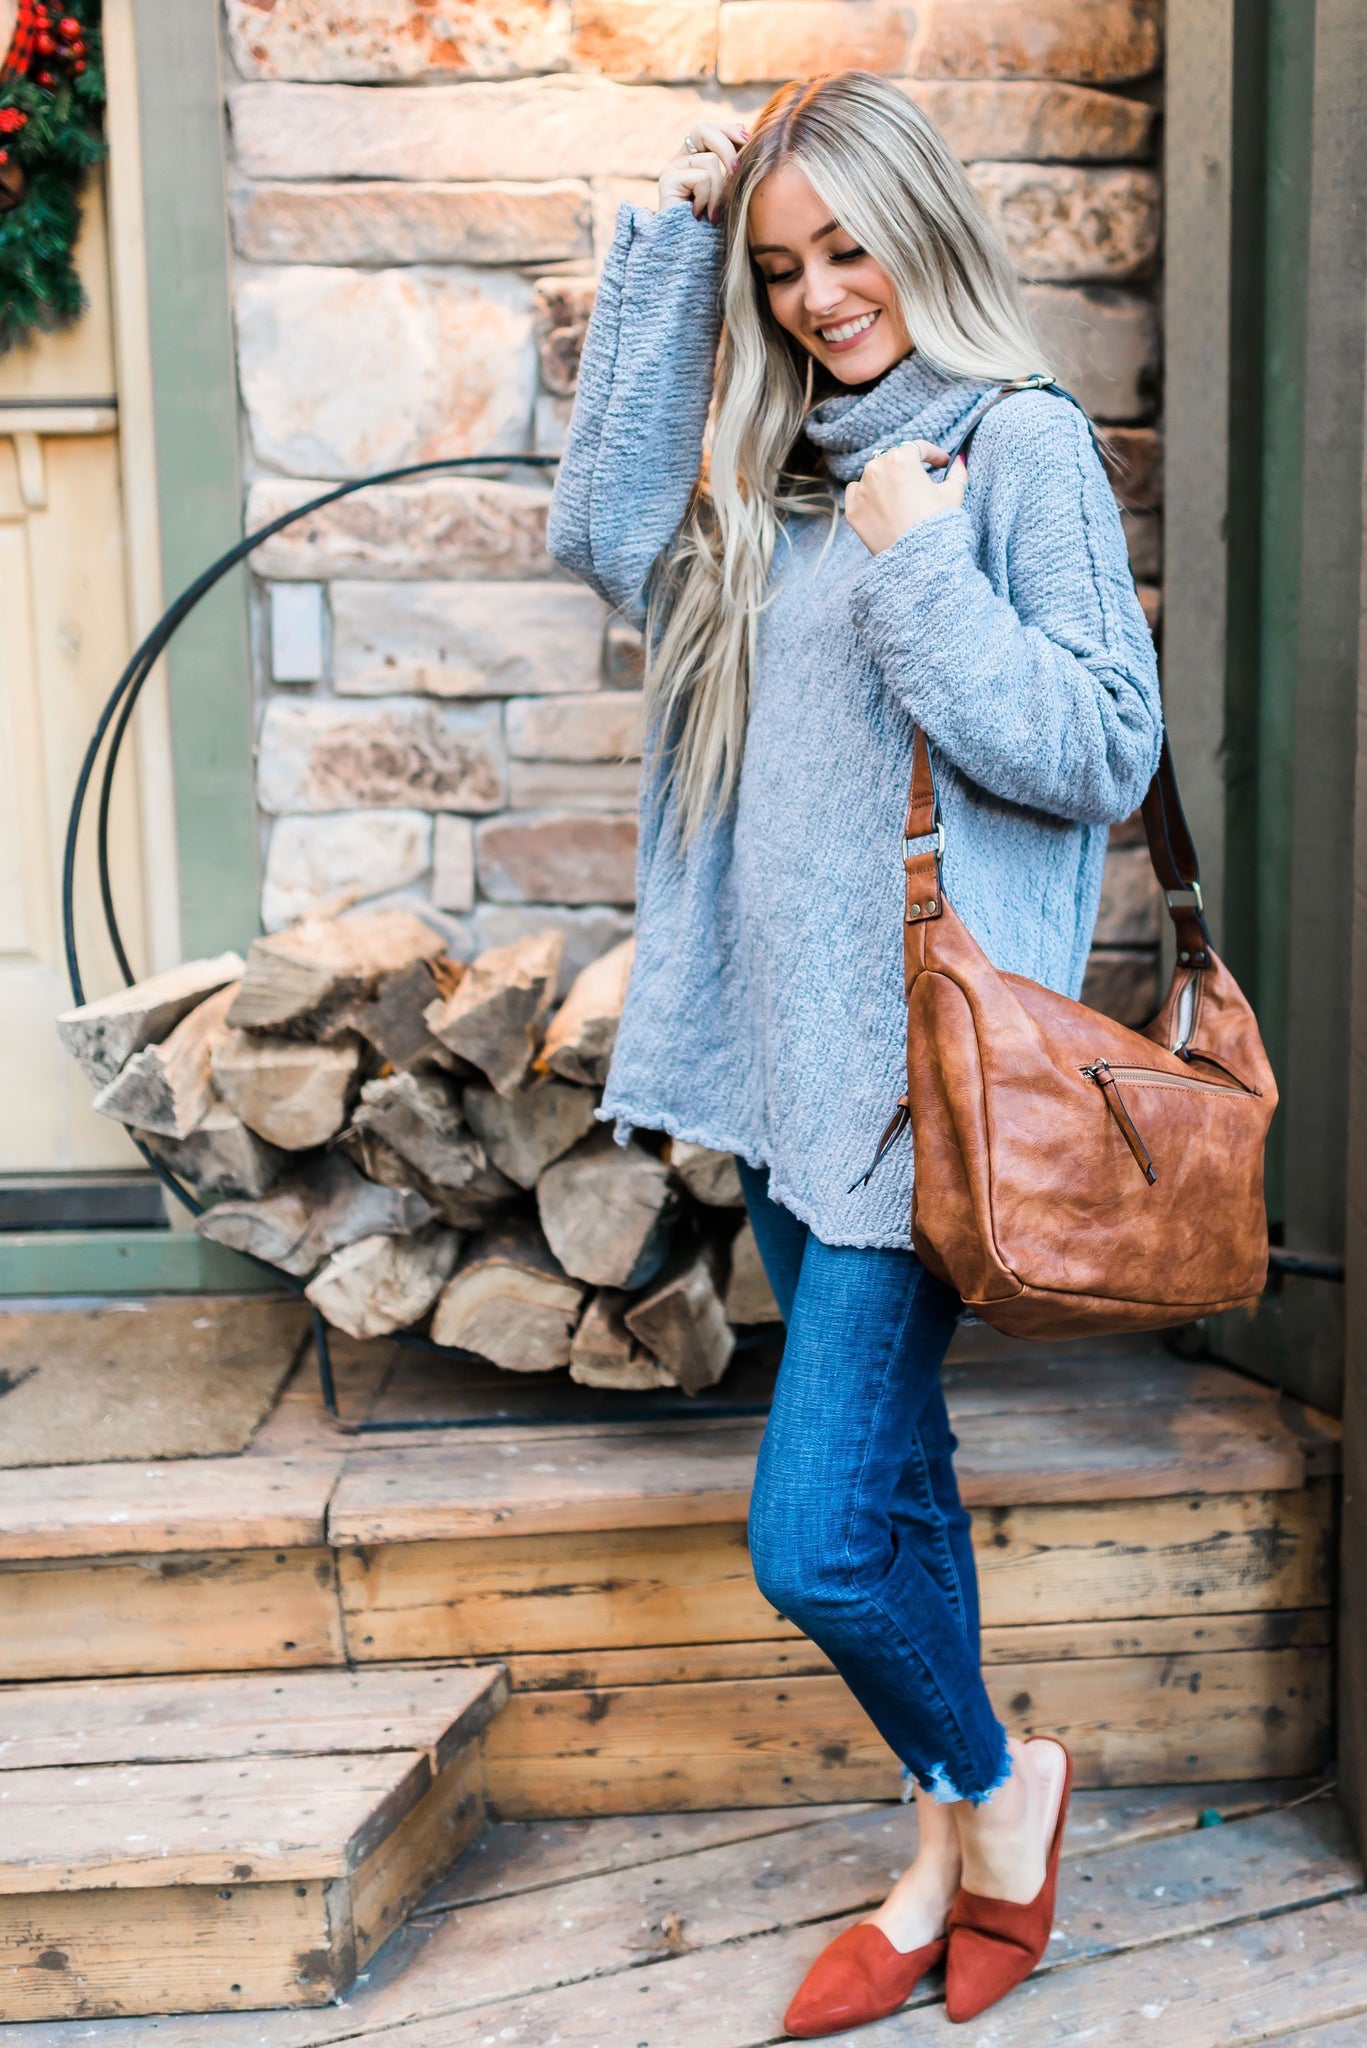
414, 1137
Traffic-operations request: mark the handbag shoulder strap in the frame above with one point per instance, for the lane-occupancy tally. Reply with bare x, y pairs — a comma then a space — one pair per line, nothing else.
1171, 849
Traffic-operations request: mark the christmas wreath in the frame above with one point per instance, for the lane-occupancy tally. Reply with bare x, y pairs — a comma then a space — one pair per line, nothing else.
51, 96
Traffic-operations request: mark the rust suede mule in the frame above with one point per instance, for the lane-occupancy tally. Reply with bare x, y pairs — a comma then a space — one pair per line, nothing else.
994, 1944
858, 1977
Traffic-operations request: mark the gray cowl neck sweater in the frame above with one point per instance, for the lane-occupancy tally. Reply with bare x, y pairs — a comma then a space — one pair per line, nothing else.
765, 1012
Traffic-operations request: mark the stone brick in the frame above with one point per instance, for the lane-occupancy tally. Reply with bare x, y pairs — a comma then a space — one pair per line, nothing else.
573, 785
643, 39
624, 656
551, 418
588, 933
391, 755
1131, 903
608, 196
1067, 223
380, 40
602, 727
465, 639
563, 306
362, 853
1034, 119
776, 39
344, 371
570, 126
557, 857
1134, 463
1102, 343
1097, 42
1144, 539
1122, 985
453, 863
412, 223
453, 527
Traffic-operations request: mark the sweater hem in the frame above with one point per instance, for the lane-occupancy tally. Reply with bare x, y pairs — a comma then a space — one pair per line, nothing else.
786, 1197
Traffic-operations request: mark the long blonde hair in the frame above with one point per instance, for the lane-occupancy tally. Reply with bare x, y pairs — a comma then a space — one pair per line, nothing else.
892, 183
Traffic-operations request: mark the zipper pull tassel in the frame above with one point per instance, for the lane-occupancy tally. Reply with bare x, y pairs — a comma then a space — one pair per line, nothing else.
895, 1125
1100, 1072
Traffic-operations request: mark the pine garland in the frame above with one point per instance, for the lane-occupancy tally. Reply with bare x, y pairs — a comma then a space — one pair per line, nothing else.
51, 98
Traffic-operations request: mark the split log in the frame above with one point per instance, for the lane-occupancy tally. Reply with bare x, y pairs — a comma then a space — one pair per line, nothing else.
417, 1118
392, 1020
381, 1284
312, 1212
496, 1016
606, 1210
103, 1036
167, 1088
523, 1133
582, 1033
289, 1092
749, 1297
709, 1176
220, 1156
511, 1301
300, 979
683, 1323
603, 1352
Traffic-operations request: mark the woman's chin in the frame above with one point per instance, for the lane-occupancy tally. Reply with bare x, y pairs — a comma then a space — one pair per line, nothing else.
860, 365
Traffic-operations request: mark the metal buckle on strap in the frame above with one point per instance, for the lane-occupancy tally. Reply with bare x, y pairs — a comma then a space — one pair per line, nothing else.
923, 842
1186, 899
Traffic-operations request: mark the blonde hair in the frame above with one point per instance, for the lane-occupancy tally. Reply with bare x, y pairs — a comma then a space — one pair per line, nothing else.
892, 183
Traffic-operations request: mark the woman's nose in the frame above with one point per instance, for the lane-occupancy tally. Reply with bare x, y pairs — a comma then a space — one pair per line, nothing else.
821, 298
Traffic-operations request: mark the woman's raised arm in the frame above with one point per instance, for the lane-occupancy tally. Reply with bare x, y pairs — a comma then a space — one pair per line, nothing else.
645, 384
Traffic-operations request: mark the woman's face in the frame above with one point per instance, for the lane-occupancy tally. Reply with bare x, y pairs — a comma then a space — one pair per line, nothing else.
822, 287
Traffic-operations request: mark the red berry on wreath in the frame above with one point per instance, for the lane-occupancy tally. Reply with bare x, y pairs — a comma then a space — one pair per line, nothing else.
46, 80
44, 44
69, 26
4, 156
78, 68
76, 49
12, 119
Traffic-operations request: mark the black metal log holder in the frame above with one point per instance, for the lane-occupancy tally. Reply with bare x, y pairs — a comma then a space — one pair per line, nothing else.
110, 731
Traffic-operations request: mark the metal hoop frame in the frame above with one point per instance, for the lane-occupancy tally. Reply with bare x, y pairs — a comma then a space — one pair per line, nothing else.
112, 727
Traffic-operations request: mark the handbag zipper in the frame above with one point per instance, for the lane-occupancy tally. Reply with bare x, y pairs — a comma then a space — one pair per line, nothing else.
895, 1124
1102, 1072
1106, 1077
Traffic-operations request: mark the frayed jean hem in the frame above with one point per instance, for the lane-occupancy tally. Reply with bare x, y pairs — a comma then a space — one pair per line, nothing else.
940, 1787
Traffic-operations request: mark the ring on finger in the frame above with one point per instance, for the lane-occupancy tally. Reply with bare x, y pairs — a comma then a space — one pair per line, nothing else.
691, 146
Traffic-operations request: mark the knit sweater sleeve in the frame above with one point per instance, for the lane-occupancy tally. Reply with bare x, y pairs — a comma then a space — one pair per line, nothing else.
1044, 692
645, 384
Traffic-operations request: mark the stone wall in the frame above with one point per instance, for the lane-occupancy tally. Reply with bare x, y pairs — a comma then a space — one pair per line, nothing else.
421, 191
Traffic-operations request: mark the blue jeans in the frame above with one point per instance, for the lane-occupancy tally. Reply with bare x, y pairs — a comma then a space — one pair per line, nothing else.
857, 1533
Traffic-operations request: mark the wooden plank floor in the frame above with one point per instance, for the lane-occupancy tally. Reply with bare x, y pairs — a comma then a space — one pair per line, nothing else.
690, 1931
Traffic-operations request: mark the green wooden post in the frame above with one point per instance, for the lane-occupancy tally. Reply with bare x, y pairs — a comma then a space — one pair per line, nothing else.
198, 473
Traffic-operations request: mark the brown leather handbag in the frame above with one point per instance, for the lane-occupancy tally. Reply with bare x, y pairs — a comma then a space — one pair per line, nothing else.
1074, 1177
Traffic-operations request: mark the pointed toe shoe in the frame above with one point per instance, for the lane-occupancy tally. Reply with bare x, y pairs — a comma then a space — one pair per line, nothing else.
859, 1977
995, 1944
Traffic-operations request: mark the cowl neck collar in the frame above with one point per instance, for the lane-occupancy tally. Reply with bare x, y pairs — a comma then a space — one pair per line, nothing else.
914, 399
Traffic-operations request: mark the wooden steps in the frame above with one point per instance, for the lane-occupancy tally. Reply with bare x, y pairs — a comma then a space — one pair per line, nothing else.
692, 1930
1153, 1538
210, 1844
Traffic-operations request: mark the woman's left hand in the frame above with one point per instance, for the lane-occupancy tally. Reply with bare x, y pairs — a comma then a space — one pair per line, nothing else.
894, 493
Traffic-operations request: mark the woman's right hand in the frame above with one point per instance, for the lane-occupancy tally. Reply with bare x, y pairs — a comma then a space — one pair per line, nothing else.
699, 173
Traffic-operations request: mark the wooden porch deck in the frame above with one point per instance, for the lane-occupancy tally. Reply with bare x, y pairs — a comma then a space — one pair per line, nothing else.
1154, 1540
690, 1931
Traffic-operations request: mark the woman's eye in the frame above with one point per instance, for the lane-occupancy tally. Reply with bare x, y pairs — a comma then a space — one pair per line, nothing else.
845, 255
772, 277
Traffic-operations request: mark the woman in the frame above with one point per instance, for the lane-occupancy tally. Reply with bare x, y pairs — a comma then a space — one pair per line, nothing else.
815, 577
